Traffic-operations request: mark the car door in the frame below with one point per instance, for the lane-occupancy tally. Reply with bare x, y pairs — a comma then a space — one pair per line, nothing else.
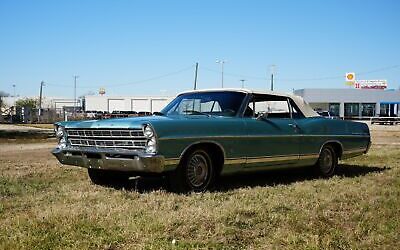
272, 134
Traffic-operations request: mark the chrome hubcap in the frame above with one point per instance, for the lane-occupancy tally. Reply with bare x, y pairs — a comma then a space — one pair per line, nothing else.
197, 170
326, 160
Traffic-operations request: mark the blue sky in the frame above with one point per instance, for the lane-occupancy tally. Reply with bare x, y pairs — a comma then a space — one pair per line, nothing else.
118, 44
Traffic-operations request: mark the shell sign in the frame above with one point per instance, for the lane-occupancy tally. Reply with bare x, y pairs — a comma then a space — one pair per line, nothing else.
350, 77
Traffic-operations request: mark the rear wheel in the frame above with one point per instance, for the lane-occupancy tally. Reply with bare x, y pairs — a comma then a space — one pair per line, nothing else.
195, 174
107, 177
327, 162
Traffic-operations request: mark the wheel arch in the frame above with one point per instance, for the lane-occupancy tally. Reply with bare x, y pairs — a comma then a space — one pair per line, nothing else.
337, 146
217, 155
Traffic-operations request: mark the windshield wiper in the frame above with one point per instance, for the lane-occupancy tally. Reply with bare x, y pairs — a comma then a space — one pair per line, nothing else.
195, 112
158, 113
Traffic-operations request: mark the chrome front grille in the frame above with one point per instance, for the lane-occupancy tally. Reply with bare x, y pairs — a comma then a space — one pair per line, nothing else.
107, 138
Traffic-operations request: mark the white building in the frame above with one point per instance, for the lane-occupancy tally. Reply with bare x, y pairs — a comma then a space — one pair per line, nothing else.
126, 103
48, 102
353, 103
101, 103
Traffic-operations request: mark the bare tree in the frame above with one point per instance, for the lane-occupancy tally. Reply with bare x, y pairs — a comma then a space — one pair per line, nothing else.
86, 94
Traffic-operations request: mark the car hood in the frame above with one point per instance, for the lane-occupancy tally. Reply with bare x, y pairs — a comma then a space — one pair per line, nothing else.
136, 122
130, 122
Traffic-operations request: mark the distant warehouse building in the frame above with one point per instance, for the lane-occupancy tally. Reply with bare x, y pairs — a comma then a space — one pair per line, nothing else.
126, 103
353, 103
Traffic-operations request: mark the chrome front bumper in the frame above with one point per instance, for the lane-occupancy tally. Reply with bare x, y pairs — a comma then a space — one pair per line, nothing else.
112, 159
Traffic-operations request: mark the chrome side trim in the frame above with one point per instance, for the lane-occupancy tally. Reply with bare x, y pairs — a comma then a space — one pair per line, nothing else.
233, 161
259, 136
172, 161
355, 150
309, 156
265, 159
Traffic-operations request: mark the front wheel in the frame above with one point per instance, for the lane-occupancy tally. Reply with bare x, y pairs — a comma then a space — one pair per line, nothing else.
327, 162
195, 173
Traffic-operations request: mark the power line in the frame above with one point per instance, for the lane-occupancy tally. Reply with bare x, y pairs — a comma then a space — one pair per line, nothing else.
75, 77
131, 83
248, 77
302, 79
379, 70
154, 78
339, 76
236, 75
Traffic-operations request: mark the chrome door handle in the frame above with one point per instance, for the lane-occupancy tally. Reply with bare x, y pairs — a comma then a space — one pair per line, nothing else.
293, 125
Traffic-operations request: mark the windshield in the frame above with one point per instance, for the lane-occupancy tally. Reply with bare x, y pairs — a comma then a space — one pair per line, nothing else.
205, 103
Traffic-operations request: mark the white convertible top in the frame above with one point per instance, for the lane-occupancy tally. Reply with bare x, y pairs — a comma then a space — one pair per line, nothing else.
303, 105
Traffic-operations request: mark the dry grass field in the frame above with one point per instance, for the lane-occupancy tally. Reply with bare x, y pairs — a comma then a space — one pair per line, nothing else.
40, 125
44, 206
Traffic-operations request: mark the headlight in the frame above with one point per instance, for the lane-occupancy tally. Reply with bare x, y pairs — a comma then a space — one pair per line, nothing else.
60, 132
151, 146
151, 143
62, 143
61, 136
148, 131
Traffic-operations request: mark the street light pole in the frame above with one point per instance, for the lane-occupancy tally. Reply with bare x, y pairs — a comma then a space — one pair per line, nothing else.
222, 62
15, 103
75, 77
40, 99
195, 76
272, 68
14, 95
243, 80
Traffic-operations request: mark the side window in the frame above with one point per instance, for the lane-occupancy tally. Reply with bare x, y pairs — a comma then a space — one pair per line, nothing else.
275, 109
296, 113
274, 106
211, 106
188, 104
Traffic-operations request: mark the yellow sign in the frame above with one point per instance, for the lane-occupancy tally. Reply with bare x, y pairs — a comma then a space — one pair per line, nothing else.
350, 77
349, 83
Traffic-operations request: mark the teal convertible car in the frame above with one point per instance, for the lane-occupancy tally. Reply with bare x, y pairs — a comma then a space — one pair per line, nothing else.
203, 134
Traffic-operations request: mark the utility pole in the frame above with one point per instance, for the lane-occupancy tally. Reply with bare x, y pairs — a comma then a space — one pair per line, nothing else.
222, 62
243, 80
15, 103
272, 68
195, 76
14, 94
75, 77
40, 100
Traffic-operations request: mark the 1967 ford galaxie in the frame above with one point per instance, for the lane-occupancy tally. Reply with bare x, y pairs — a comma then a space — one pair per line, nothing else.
203, 134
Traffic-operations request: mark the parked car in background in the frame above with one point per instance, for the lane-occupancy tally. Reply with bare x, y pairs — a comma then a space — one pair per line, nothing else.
99, 115
327, 114
91, 113
106, 115
203, 134
144, 113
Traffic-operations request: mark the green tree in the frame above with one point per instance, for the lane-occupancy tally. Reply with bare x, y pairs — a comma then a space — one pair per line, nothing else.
27, 102
2, 94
